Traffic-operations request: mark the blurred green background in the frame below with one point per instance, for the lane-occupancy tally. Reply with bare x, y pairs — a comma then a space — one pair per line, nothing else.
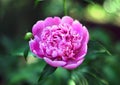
101, 17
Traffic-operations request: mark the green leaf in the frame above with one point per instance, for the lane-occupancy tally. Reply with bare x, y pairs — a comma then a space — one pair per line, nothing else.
48, 70
79, 78
91, 74
97, 79
95, 47
37, 2
26, 51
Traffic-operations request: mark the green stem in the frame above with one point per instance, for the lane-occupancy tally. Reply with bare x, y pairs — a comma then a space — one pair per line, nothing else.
64, 6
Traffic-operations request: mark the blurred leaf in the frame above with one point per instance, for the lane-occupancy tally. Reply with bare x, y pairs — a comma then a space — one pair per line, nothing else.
117, 48
101, 35
95, 47
79, 78
89, 75
37, 2
26, 51
48, 70
26, 73
99, 80
57, 8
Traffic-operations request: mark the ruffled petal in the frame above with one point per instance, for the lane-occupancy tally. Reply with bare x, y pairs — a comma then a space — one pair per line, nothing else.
54, 63
37, 28
67, 19
82, 30
85, 35
74, 65
31, 44
57, 20
78, 27
82, 52
34, 47
52, 21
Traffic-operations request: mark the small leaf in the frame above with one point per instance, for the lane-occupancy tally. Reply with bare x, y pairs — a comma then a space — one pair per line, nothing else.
48, 70
26, 52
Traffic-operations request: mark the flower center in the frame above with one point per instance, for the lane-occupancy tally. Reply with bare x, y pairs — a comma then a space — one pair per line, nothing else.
60, 42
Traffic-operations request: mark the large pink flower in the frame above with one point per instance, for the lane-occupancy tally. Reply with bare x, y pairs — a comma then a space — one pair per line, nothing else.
60, 42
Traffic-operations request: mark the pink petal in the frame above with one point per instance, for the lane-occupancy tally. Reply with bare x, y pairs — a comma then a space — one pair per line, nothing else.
74, 65
67, 19
54, 63
82, 30
37, 28
48, 21
77, 27
85, 35
52, 21
57, 20
34, 47
31, 44
82, 51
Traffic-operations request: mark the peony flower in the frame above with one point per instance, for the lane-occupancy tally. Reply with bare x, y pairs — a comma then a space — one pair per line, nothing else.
60, 42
